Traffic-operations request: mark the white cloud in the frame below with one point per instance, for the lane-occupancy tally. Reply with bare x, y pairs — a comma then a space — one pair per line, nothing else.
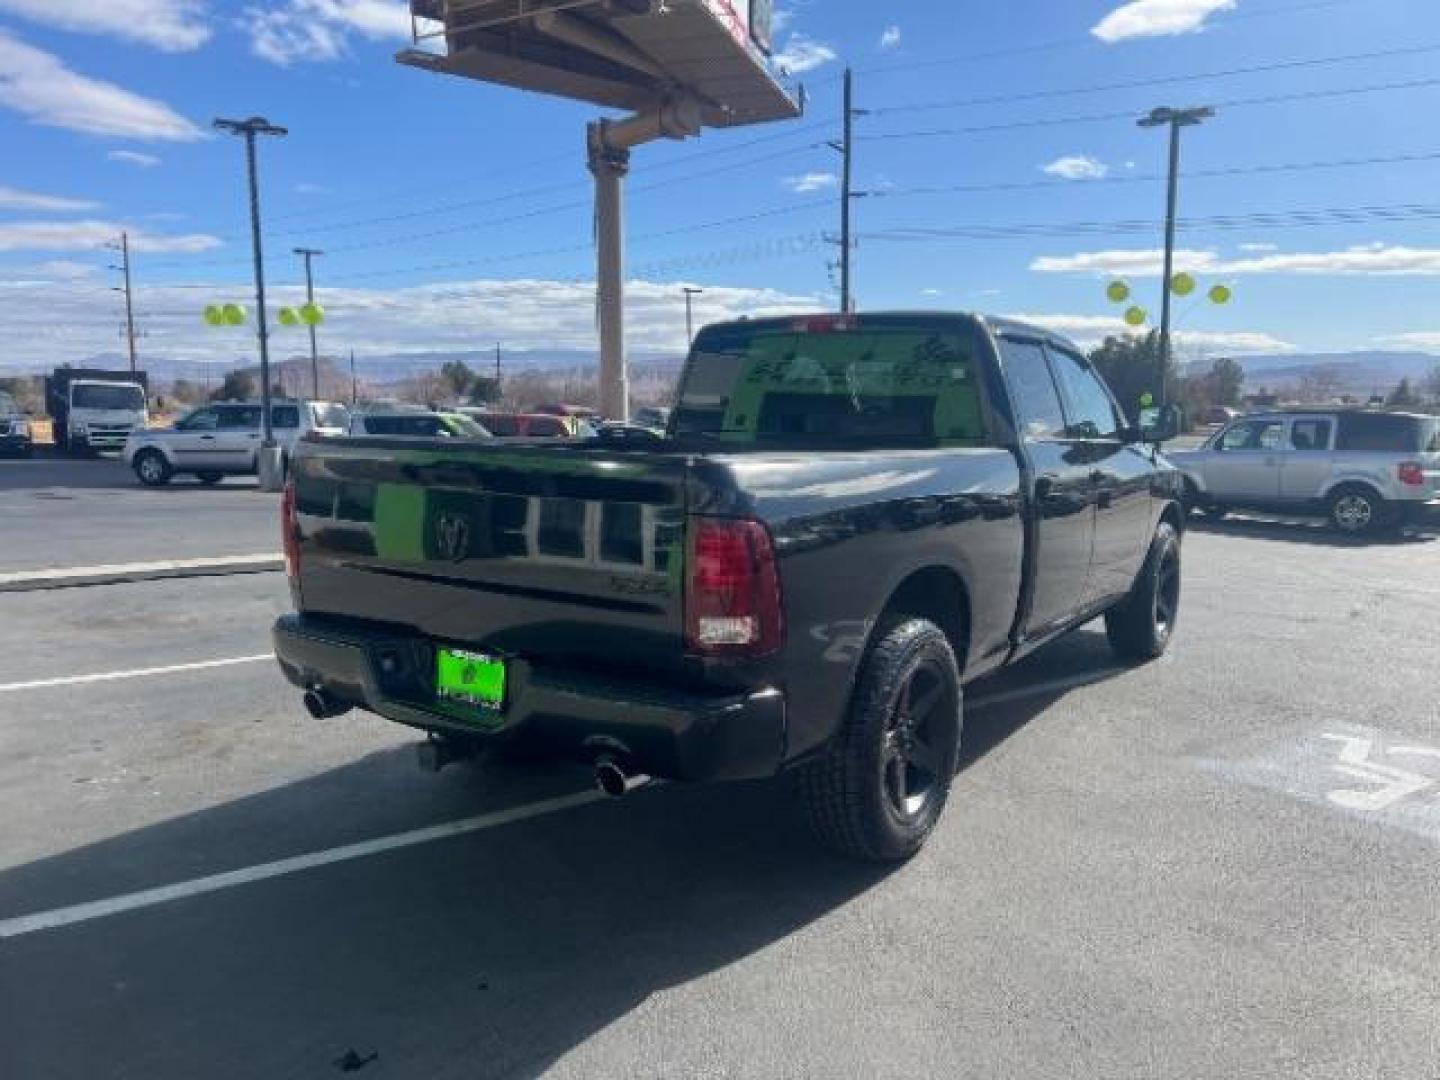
1418, 339
1140, 263
311, 189
55, 270
802, 54
810, 182
1368, 260
15, 199
321, 30
37, 85
1157, 18
93, 235
890, 39
51, 324
1092, 329
171, 25
132, 157
1077, 167
931, 292
1257, 248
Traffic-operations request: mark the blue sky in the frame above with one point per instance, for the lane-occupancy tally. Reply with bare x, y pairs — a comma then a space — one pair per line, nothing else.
455, 214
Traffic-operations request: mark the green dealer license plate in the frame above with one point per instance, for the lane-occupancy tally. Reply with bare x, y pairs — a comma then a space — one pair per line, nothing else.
467, 678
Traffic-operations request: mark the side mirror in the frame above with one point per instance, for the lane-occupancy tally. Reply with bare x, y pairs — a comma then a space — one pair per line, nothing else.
1161, 425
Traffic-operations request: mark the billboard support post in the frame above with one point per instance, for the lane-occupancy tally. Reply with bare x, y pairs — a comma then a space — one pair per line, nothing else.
610, 168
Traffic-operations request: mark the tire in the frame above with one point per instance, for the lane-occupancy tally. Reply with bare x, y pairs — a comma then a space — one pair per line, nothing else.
152, 468
876, 792
1357, 510
1141, 627
210, 479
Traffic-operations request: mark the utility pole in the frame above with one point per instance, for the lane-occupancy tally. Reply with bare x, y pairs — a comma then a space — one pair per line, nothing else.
846, 148
1175, 119
690, 294
269, 466
308, 254
354, 383
497, 369
124, 248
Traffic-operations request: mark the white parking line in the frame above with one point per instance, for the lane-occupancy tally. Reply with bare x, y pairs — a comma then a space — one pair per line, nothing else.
70, 573
116, 905
139, 673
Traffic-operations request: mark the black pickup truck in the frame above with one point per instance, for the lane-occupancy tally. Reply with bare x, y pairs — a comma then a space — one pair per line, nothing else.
849, 518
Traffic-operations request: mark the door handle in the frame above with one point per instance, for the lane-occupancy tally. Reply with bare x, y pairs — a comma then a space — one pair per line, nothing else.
207, 438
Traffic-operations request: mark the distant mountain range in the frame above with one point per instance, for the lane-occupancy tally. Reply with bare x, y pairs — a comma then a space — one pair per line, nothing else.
1353, 372
1362, 372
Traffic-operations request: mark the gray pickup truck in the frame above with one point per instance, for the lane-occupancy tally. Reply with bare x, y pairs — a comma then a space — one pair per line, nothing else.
848, 519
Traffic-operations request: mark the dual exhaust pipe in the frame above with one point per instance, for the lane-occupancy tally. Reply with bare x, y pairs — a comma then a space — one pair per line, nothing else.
322, 706
613, 775
616, 779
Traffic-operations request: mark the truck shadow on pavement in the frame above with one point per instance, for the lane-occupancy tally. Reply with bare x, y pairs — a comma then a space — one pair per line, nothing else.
490, 954
1301, 531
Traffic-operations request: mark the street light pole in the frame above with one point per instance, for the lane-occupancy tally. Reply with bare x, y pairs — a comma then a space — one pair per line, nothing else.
250, 129
1175, 119
308, 254
690, 294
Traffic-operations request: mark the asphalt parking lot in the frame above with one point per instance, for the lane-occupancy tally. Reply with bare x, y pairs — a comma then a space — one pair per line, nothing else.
1225, 864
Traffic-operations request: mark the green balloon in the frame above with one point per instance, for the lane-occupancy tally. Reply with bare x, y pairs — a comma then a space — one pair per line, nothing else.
289, 316
1221, 294
1136, 316
1182, 284
312, 314
1118, 292
234, 315
1147, 400
215, 315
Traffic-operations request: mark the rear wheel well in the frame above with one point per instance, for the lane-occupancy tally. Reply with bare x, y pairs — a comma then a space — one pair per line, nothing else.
937, 594
1363, 485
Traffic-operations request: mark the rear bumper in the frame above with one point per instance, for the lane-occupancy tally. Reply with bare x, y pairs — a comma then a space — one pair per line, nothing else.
663, 732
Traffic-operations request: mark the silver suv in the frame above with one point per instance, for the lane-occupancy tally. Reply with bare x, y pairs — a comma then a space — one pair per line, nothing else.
222, 439
1366, 471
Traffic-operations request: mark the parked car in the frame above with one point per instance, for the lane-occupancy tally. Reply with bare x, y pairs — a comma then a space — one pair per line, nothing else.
852, 516
1366, 471
15, 434
615, 433
223, 439
1220, 414
652, 416
531, 425
417, 423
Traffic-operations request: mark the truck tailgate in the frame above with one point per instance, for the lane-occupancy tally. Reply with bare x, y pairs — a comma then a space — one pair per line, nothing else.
556, 553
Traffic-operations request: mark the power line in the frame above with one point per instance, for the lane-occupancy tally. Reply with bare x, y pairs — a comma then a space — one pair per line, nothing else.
1163, 80
1233, 103
1223, 222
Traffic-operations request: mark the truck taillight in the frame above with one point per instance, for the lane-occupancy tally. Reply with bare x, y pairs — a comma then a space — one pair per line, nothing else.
1411, 473
826, 324
290, 532
732, 597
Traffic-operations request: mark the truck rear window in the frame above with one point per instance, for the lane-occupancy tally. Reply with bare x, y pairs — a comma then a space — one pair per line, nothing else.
902, 386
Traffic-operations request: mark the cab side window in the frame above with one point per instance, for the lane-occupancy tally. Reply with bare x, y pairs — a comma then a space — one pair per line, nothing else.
1088, 406
203, 420
1038, 414
1310, 435
240, 418
1253, 435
